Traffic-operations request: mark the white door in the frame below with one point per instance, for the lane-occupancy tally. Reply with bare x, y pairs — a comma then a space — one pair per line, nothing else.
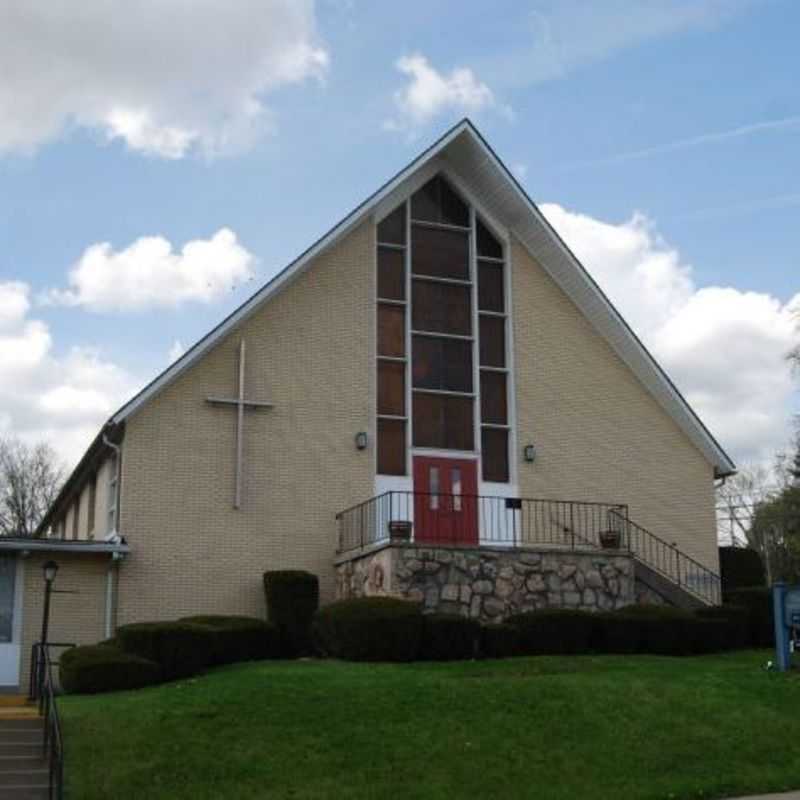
10, 628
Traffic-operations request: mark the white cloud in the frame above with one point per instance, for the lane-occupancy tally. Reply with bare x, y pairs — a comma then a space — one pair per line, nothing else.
430, 92
44, 395
564, 35
165, 77
176, 351
150, 274
725, 348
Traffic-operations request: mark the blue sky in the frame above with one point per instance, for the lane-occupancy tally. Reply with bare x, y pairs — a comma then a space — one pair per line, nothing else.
662, 138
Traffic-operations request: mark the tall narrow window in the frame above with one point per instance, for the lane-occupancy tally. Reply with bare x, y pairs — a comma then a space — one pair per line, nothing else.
442, 363
492, 321
76, 513
92, 506
113, 495
392, 357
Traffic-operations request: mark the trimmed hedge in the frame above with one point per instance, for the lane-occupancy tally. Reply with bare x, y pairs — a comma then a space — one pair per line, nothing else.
757, 600
449, 637
292, 600
612, 633
733, 632
239, 638
369, 629
101, 668
499, 641
179, 648
661, 630
553, 631
740, 568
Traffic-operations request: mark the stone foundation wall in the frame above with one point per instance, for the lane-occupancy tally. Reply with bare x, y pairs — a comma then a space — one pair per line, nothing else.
490, 584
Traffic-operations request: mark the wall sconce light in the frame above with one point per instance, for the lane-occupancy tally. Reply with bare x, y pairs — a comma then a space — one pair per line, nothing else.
529, 453
361, 440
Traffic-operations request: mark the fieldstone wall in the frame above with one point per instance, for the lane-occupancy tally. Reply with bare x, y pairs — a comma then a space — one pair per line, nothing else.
490, 584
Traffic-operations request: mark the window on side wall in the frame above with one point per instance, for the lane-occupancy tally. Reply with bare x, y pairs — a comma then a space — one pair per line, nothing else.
112, 494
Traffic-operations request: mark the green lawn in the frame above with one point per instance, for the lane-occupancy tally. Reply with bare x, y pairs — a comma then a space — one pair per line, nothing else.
549, 727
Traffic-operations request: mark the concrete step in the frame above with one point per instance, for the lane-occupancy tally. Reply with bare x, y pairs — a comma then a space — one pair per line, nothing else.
21, 749
25, 793
24, 777
16, 763
7, 700
22, 736
11, 726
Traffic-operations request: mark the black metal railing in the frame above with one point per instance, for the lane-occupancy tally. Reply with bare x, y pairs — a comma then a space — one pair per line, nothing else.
451, 519
43, 689
666, 559
475, 520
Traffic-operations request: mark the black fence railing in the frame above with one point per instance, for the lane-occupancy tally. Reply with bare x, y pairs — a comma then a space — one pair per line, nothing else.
672, 563
43, 689
451, 519
475, 520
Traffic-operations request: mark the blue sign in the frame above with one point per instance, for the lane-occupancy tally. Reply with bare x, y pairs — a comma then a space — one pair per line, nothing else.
786, 616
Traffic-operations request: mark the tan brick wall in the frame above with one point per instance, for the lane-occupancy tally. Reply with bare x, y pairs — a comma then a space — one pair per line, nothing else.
599, 434
310, 351
77, 610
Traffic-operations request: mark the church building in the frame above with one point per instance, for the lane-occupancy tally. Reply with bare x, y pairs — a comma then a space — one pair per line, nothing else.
434, 401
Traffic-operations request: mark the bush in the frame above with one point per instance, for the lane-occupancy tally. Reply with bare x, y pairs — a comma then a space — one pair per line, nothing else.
740, 567
369, 629
614, 633
240, 638
757, 601
553, 631
179, 648
499, 641
449, 637
661, 630
100, 668
733, 630
292, 599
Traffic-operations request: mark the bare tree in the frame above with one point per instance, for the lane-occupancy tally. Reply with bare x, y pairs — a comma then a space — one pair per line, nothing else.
737, 499
30, 478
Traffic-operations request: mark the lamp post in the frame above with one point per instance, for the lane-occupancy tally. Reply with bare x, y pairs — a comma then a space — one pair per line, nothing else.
49, 568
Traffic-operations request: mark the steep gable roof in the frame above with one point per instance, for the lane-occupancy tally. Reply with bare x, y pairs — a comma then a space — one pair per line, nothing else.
463, 150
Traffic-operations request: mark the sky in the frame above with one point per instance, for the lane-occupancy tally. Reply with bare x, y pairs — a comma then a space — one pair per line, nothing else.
159, 161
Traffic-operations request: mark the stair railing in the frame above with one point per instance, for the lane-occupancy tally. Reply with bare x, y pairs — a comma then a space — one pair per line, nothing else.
671, 562
43, 690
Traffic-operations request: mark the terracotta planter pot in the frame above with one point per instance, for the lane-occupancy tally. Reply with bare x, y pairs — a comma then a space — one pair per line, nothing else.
400, 530
610, 540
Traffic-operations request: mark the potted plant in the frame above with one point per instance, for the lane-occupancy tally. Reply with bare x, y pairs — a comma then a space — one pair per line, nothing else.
610, 539
400, 530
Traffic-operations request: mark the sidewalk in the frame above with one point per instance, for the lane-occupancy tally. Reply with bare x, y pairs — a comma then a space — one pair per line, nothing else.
782, 796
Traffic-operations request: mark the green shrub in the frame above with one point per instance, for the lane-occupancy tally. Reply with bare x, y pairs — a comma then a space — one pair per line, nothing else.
179, 648
449, 637
499, 641
240, 638
292, 599
369, 629
100, 668
734, 625
661, 630
757, 600
740, 568
613, 633
553, 631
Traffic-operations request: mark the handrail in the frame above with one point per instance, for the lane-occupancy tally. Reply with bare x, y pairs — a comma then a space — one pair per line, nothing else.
485, 519
666, 559
520, 522
43, 690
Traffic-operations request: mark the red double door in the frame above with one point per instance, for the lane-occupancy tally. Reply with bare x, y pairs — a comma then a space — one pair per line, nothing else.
445, 500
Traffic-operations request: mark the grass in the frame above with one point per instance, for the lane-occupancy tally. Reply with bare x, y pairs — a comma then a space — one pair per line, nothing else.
547, 728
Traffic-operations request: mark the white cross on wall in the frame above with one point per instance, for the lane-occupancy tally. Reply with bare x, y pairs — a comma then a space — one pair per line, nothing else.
240, 404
